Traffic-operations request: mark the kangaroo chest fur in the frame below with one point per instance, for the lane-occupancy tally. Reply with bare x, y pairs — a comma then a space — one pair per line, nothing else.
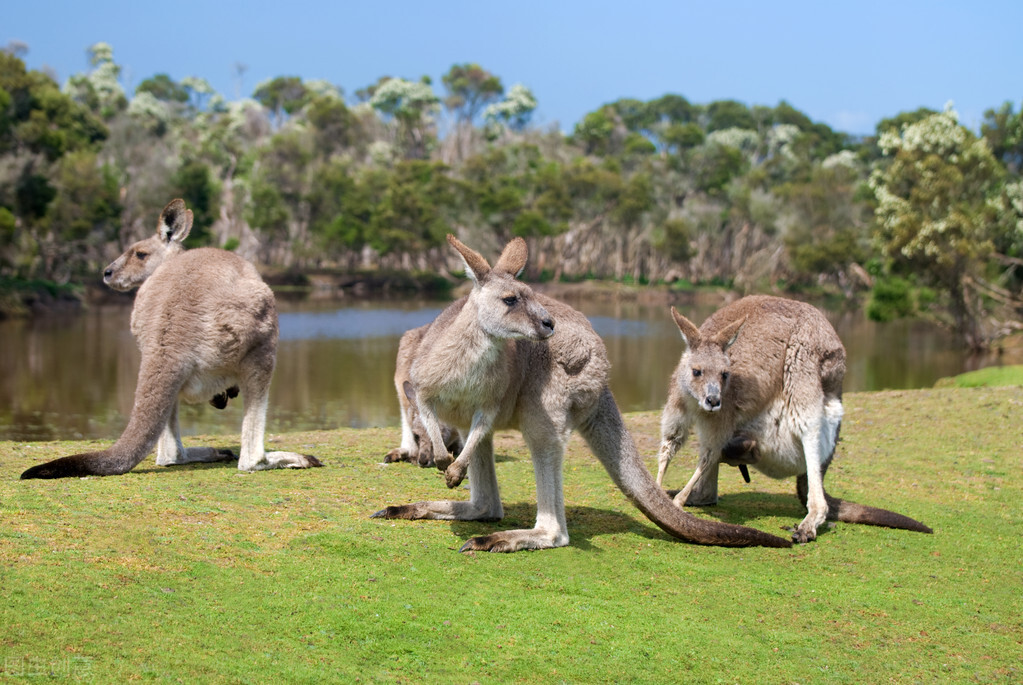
459, 376
776, 425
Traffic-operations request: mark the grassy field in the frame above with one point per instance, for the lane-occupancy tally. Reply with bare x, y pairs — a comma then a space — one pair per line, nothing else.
202, 574
991, 376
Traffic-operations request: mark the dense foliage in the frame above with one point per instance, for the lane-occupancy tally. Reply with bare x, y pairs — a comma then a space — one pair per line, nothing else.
300, 177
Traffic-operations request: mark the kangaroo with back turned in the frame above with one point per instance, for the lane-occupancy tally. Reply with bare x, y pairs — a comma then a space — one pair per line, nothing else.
206, 325
506, 357
761, 382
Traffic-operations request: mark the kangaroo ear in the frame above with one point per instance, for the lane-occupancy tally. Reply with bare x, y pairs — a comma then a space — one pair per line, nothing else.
690, 333
513, 259
175, 222
476, 266
729, 334
410, 392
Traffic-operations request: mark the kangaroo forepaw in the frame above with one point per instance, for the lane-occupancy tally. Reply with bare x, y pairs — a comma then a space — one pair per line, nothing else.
455, 474
740, 450
396, 455
443, 462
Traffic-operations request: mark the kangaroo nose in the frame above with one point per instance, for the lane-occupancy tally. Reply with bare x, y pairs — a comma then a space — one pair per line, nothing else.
548, 324
108, 273
713, 401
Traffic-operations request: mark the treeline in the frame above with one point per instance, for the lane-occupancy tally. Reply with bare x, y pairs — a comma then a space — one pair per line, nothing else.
926, 215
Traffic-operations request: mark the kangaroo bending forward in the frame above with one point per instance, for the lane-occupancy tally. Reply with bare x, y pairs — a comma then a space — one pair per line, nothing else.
493, 360
761, 381
415, 444
207, 326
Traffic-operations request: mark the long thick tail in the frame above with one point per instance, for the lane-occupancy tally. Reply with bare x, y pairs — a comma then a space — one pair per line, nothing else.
851, 512
607, 436
155, 395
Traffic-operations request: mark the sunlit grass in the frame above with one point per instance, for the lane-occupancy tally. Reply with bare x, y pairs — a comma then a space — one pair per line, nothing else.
199, 573
992, 376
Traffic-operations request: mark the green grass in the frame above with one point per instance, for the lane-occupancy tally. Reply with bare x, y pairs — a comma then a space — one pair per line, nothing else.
201, 574
990, 377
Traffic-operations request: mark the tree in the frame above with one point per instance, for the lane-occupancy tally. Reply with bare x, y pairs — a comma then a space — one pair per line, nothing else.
336, 127
410, 104
470, 89
723, 114
281, 95
194, 183
671, 109
826, 224
934, 216
597, 131
163, 88
514, 110
1003, 130
38, 118
84, 214
99, 89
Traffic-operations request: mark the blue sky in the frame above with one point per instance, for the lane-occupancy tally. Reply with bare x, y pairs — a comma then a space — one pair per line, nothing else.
848, 64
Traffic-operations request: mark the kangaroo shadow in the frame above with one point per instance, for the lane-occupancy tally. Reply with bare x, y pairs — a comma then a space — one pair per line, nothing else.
584, 524
228, 462
746, 508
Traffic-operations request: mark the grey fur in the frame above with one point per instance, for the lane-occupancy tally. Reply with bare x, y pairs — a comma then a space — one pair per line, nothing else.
206, 325
506, 357
761, 382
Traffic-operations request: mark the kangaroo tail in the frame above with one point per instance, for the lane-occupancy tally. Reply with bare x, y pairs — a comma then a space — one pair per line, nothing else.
851, 512
607, 436
155, 398
77, 466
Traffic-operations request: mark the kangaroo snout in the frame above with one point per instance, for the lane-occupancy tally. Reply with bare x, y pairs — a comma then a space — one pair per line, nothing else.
541, 321
712, 400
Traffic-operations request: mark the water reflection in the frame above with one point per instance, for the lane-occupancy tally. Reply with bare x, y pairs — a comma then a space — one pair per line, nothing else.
74, 377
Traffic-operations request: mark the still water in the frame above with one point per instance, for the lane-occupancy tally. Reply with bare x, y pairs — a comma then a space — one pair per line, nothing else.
74, 377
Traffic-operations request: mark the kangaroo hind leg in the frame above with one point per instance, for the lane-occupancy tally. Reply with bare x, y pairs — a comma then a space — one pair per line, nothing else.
819, 441
254, 457
551, 529
170, 451
484, 500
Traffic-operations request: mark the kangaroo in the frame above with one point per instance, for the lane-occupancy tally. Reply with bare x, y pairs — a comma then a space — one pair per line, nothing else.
761, 381
207, 326
493, 360
415, 445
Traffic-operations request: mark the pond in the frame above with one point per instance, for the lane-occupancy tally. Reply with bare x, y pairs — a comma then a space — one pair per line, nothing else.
74, 377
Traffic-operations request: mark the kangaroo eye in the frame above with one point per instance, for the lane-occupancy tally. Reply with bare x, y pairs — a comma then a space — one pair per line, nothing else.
140, 254
510, 300
697, 373
724, 375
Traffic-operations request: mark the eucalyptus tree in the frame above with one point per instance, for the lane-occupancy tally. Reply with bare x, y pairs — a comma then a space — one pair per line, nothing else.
937, 213
283, 96
411, 106
514, 110
48, 166
99, 89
